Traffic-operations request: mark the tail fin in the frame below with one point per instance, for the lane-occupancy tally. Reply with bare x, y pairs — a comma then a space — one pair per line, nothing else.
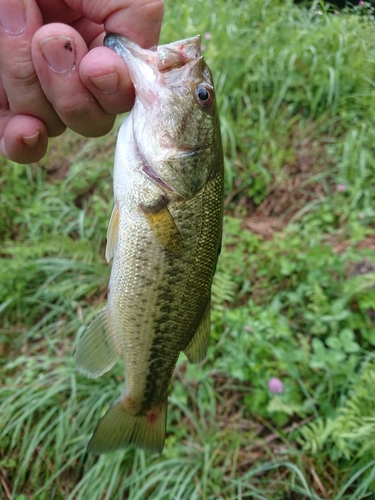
120, 427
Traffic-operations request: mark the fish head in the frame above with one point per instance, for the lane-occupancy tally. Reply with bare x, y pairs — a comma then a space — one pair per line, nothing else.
175, 122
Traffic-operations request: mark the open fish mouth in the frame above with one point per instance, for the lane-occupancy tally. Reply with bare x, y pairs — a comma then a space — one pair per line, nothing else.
167, 57
145, 65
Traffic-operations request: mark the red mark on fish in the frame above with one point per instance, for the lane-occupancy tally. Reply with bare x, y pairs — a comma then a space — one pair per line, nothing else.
151, 417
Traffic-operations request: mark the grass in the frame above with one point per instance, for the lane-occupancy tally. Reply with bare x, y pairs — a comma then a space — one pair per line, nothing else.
293, 297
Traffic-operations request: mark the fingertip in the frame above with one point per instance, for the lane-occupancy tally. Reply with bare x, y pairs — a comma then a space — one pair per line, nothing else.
31, 140
25, 140
105, 75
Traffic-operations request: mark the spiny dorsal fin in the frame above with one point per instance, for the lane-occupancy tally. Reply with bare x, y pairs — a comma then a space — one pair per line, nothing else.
112, 234
197, 349
163, 225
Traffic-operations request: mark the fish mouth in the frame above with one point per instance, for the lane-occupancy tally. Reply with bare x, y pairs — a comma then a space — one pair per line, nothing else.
123, 45
145, 66
167, 57
141, 64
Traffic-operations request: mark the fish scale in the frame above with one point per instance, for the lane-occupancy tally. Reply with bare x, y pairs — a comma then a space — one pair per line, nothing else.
163, 239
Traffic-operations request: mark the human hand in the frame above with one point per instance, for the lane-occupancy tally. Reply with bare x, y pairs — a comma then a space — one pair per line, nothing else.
55, 73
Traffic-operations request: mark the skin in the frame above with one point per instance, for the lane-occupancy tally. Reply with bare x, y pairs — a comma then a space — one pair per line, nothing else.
55, 73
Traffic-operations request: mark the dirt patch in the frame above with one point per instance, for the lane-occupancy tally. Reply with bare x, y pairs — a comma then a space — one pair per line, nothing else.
263, 226
304, 179
340, 243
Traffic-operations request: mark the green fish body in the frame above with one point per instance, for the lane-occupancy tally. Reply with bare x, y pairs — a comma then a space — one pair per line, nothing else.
163, 239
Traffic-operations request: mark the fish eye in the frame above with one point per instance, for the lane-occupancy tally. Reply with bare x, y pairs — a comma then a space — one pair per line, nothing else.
204, 94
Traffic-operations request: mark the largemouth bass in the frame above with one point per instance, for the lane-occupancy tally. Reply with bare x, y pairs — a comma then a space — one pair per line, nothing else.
163, 238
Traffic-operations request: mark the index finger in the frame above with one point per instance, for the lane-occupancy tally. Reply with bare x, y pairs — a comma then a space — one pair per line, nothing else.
139, 20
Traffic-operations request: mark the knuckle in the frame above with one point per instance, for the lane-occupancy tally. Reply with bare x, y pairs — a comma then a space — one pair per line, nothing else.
151, 9
74, 106
82, 114
19, 69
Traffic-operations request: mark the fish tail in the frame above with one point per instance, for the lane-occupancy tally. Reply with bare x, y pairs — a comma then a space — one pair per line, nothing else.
121, 427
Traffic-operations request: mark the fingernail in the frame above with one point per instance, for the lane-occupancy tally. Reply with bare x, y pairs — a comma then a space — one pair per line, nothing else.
106, 83
31, 140
13, 17
60, 53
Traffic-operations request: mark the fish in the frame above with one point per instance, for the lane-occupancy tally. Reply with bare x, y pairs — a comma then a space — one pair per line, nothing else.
163, 239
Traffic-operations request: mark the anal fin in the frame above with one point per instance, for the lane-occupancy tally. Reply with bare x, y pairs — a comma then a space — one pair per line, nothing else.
163, 225
197, 349
96, 352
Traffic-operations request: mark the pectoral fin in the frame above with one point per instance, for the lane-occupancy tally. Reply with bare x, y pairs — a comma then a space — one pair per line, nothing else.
163, 225
112, 234
197, 349
96, 352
